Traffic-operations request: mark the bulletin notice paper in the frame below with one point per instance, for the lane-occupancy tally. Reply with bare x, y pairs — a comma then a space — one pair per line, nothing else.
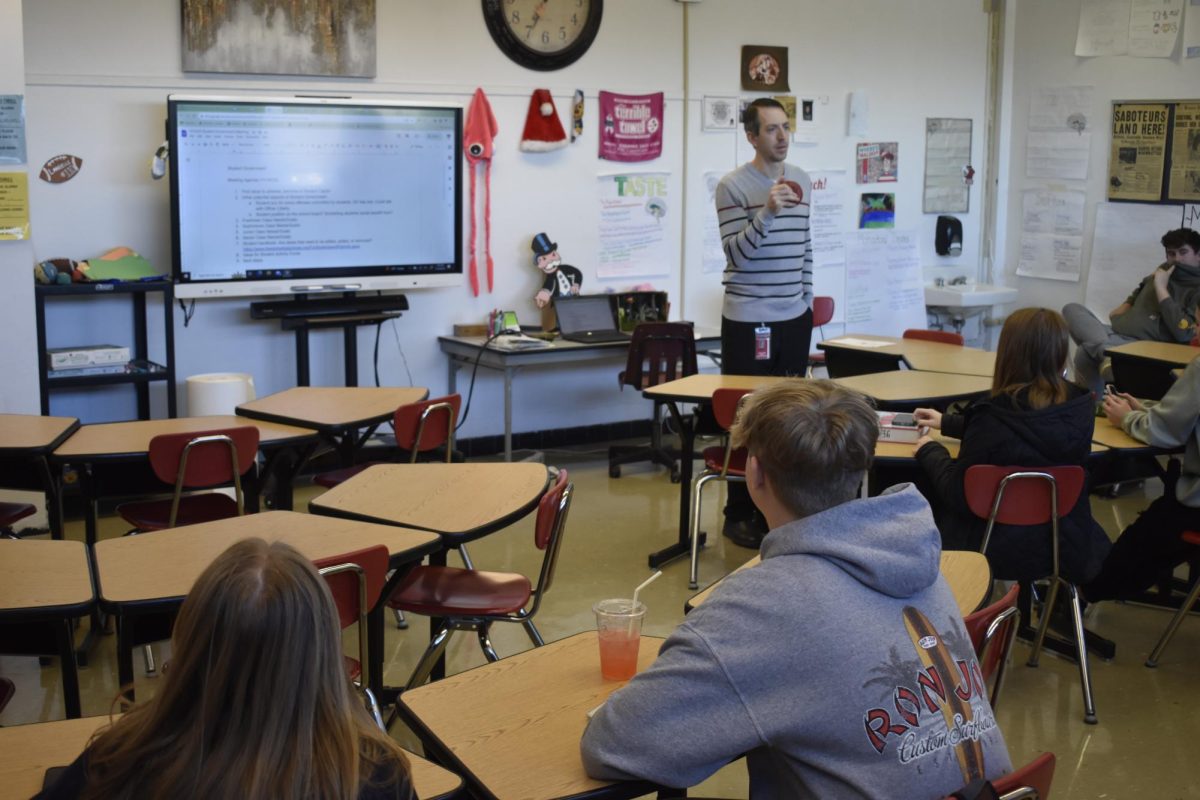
14, 205
1051, 235
1154, 27
1103, 28
1057, 154
827, 219
12, 129
884, 292
633, 222
1191, 30
1061, 108
712, 254
1125, 249
947, 151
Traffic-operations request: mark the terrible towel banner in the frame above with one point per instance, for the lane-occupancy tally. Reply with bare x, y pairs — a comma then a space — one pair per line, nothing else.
631, 126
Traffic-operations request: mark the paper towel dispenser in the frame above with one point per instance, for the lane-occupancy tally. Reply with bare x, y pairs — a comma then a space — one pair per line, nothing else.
947, 241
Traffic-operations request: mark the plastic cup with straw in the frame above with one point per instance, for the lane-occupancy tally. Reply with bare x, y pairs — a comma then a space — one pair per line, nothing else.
619, 629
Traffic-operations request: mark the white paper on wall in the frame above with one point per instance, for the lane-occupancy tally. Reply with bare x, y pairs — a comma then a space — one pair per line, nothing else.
712, 255
884, 291
632, 222
1060, 108
1051, 235
1191, 30
1061, 155
828, 223
1125, 249
1103, 28
1154, 27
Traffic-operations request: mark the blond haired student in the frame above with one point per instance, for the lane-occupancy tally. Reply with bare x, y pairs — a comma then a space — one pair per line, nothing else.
254, 702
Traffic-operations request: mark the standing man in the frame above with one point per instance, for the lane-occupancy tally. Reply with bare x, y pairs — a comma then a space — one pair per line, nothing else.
766, 320
840, 664
1159, 309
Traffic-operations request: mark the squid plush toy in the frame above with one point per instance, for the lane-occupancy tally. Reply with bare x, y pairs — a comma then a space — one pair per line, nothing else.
478, 133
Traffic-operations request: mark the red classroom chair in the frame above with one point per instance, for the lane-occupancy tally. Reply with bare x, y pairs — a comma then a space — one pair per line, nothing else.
945, 337
992, 631
721, 463
1192, 538
822, 309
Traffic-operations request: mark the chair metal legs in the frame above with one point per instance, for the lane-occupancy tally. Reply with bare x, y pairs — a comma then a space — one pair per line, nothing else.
148, 657
1085, 677
373, 707
532, 631
1173, 626
485, 643
437, 645
697, 492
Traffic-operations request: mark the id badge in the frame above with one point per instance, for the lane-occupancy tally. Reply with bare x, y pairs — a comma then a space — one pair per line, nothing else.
762, 343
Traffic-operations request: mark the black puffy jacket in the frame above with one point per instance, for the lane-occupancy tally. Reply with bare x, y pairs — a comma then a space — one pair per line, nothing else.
1003, 430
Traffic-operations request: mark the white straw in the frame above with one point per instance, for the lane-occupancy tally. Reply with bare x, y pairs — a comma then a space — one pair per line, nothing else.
633, 605
643, 585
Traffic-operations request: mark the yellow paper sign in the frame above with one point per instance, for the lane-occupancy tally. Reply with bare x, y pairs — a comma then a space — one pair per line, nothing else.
14, 205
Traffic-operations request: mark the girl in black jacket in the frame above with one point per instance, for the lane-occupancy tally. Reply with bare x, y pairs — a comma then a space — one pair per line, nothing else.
1033, 418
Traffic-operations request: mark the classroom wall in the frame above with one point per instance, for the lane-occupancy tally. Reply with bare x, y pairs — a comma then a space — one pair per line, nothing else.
1042, 54
97, 85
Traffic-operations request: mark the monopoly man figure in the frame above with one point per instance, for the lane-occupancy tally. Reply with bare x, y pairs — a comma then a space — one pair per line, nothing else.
562, 280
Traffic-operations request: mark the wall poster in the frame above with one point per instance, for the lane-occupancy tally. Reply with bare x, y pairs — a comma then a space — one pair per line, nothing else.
947, 156
631, 126
1155, 155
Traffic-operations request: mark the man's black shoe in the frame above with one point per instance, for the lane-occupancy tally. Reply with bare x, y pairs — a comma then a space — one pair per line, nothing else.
747, 532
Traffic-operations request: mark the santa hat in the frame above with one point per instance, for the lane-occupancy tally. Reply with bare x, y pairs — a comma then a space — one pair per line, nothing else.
478, 132
543, 130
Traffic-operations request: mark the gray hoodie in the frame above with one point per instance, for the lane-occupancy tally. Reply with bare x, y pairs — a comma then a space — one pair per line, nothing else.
1171, 422
840, 665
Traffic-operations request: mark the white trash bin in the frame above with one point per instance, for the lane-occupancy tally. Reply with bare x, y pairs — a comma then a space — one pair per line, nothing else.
218, 393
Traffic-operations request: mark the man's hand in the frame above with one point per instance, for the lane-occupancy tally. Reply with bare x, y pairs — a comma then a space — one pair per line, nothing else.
1118, 406
1161, 278
780, 197
928, 417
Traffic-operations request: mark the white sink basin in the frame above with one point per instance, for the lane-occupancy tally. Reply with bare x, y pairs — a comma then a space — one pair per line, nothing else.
967, 295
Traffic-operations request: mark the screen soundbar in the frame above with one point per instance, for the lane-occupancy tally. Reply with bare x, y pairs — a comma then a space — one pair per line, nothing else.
333, 306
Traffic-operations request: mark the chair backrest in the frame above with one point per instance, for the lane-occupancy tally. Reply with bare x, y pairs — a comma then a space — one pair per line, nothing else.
822, 308
355, 580
548, 531
945, 337
425, 425
725, 405
201, 459
659, 352
992, 630
1037, 775
1023, 496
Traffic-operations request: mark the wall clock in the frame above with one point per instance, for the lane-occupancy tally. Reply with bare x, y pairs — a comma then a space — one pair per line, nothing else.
543, 34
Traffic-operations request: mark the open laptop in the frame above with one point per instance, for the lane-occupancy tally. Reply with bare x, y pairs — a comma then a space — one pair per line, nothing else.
588, 319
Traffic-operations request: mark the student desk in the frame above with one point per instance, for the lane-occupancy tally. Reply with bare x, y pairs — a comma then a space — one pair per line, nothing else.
847, 355
337, 413
512, 728
909, 389
27, 440
152, 572
27, 751
44, 585
968, 574
693, 389
1143, 369
113, 457
466, 351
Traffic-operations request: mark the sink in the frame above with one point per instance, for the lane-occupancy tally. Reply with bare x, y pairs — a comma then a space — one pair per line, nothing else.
970, 294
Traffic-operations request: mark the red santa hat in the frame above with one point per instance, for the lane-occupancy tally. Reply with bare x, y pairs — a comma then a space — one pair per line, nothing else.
543, 130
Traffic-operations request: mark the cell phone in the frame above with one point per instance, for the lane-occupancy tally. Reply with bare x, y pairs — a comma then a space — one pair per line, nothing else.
904, 421
1109, 389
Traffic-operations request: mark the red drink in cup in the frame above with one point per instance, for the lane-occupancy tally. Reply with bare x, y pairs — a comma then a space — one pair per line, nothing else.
619, 627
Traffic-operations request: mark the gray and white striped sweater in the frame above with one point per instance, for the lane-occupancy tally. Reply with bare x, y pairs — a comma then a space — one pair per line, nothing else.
768, 257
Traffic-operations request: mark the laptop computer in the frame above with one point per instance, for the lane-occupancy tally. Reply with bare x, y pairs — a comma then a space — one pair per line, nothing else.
588, 319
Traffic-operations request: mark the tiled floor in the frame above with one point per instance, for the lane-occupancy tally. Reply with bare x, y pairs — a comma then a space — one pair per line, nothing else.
1142, 747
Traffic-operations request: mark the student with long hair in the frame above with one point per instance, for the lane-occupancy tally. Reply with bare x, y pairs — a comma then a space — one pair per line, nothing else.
1033, 417
255, 701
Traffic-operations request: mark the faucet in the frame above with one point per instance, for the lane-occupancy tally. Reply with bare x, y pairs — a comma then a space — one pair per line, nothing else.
961, 280
939, 282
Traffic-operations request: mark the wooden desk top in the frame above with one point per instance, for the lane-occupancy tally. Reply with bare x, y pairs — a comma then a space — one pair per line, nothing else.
915, 386
163, 565
332, 407
921, 354
39, 576
27, 751
699, 388
967, 572
33, 434
132, 439
467, 500
1170, 352
1110, 436
515, 724
900, 450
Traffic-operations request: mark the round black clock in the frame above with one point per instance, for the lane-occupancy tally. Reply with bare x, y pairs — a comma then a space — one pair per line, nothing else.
543, 34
